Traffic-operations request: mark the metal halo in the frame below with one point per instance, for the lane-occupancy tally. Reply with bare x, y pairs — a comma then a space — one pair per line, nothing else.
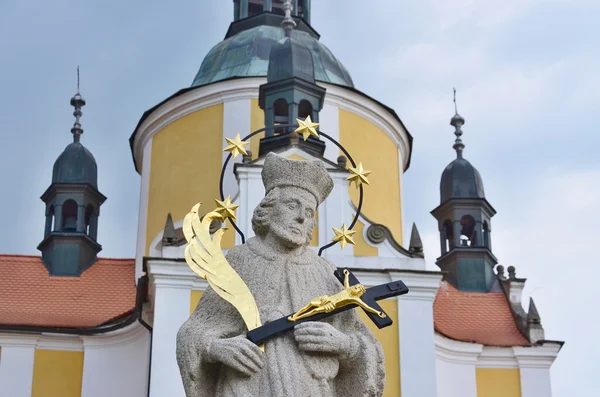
335, 142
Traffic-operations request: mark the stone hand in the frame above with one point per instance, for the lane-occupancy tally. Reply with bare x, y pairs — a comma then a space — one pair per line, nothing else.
316, 336
237, 353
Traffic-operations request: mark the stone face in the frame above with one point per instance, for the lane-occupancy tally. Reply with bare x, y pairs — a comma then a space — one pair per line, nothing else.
338, 356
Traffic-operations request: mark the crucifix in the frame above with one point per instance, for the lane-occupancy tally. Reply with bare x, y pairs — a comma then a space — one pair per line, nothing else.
353, 295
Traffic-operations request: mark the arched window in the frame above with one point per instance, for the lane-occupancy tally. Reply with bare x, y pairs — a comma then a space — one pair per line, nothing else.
486, 235
281, 111
304, 109
448, 236
89, 211
69, 216
467, 231
49, 220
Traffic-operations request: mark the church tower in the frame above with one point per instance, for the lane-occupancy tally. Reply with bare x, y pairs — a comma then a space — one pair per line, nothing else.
291, 91
72, 207
464, 222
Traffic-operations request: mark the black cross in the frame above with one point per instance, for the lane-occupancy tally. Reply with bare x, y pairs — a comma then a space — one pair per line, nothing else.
270, 330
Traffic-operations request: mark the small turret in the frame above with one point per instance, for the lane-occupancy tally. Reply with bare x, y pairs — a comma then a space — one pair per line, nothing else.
72, 206
464, 222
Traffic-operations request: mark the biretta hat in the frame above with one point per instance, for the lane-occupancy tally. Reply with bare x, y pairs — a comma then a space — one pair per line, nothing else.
309, 175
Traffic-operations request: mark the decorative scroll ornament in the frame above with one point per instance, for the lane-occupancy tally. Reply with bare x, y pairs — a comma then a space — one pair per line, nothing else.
343, 236
236, 146
358, 175
307, 128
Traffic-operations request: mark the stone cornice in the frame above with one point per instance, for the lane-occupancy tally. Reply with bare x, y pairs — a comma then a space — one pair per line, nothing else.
166, 272
540, 356
60, 342
17, 340
481, 356
456, 352
76, 343
422, 285
123, 336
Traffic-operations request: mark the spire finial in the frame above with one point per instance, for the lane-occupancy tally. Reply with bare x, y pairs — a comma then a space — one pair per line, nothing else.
455, 107
288, 24
457, 122
77, 102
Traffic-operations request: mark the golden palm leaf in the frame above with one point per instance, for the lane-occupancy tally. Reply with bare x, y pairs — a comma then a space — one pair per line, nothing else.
205, 257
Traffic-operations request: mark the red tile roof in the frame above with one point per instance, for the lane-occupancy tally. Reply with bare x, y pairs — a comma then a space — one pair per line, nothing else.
30, 296
484, 318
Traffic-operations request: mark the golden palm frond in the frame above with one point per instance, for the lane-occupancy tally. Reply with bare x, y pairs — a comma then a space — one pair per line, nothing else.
205, 257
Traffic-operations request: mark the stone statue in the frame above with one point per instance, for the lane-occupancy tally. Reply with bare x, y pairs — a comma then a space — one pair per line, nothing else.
337, 356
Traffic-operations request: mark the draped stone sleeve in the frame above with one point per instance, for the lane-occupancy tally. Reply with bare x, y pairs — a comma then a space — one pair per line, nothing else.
214, 318
362, 372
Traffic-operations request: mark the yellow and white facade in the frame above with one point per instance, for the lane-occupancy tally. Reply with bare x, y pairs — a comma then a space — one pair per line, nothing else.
178, 152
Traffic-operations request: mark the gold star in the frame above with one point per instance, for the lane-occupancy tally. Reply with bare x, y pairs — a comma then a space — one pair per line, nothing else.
236, 146
358, 175
226, 208
343, 236
307, 128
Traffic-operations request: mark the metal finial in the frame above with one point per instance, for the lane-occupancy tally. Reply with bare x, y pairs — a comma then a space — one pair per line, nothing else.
457, 122
77, 102
455, 107
288, 24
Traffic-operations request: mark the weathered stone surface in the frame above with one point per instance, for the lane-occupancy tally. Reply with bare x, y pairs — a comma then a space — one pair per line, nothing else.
335, 357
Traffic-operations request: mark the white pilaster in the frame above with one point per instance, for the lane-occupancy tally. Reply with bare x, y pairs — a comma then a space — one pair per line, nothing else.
172, 282
236, 120
16, 364
456, 363
534, 367
329, 120
417, 347
334, 212
143, 212
116, 364
252, 192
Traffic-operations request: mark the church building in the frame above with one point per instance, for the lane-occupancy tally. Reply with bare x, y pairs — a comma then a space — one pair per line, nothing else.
76, 324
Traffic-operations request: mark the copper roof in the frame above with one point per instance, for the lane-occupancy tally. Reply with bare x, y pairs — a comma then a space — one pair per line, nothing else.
475, 317
29, 296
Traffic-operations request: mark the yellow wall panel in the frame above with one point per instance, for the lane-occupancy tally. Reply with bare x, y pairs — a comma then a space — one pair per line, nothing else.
379, 154
361, 247
498, 382
57, 373
194, 299
257, 121
388, 337
185, 168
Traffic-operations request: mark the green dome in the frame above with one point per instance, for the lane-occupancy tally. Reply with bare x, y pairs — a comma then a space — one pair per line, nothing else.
246, 54
461, 180
76, 164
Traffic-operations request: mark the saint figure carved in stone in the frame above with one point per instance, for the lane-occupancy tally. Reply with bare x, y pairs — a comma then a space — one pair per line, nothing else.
334, 357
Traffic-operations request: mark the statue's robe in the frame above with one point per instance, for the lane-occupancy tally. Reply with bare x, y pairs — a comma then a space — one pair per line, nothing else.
281, 285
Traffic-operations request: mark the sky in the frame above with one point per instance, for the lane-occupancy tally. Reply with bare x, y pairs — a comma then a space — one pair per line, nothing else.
528, 86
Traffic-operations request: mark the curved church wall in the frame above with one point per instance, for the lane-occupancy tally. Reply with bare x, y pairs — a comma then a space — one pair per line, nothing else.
178, 149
